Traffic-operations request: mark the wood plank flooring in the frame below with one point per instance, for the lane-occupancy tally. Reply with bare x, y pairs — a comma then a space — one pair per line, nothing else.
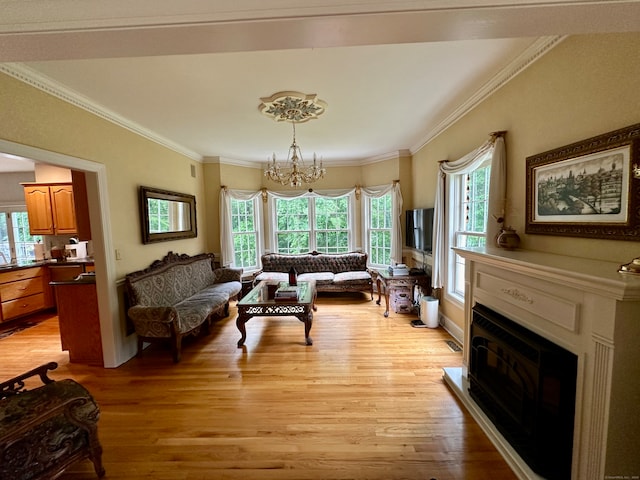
365, 401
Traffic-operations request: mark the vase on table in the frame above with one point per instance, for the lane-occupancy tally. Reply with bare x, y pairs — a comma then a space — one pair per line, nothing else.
508, 239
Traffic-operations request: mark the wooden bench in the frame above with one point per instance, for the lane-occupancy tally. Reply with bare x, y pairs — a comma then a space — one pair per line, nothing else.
44, 430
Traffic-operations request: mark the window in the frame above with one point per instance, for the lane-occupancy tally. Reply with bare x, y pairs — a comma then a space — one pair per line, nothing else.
16, 243
332, 225
244, 233
470, 202
306, 224
379, 229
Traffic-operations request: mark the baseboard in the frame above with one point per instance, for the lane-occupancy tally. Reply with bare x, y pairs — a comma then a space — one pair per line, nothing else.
454, 330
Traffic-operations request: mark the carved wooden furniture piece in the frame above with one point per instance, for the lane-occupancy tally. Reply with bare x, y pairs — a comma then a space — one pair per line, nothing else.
399, 288
46, 429
177, 295
258, 303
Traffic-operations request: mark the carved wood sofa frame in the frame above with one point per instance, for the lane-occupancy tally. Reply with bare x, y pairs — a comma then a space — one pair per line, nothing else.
178, 296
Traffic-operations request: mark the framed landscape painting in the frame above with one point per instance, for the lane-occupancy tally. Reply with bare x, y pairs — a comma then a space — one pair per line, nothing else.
587, 189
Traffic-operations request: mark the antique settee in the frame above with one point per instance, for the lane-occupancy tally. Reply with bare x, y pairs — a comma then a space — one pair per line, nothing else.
177, 295
43, 430
333, 272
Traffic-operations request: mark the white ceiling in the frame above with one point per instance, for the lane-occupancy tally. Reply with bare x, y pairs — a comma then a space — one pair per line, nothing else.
190, 74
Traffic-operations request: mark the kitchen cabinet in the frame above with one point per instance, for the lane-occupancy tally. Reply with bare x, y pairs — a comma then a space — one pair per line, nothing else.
24, 291
63, 272
81, 200
51, 208
79, 320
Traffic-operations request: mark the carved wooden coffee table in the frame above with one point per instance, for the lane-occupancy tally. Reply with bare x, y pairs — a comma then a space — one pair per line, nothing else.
257, 304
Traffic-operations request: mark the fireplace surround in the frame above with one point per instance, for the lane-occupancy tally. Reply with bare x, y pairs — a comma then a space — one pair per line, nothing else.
527, 387
592, 313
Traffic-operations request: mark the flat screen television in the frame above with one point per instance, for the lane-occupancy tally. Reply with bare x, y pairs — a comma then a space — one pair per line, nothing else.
419, 229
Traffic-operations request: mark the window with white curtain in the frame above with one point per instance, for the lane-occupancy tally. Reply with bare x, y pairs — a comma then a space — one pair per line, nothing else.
244, 231
468, 226
317, 223
379, 229
301, 222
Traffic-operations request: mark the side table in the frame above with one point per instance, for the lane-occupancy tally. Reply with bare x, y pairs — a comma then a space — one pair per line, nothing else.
388, 283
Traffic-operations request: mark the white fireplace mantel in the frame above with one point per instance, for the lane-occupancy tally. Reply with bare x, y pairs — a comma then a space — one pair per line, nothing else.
588, 308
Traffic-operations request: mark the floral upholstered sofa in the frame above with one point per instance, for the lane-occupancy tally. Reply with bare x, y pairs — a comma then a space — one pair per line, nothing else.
177, 295
333, 272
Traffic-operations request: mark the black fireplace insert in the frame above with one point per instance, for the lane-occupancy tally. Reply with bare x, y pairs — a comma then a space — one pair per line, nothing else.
527, 386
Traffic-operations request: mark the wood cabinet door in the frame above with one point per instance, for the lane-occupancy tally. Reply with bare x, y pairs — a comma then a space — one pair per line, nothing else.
64, 210
39, 210
81, 201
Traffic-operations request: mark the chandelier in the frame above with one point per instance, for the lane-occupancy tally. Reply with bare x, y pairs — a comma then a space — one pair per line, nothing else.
295, 172
293, 107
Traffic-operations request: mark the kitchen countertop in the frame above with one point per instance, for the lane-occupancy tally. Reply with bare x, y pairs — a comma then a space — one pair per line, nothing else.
42, 263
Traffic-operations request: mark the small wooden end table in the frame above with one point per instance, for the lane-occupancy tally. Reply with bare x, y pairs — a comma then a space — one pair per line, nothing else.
387, 282
258, 304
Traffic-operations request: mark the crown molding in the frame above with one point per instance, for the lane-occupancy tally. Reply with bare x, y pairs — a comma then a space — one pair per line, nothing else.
535, 51
232, 161
386, 156
33, 78
41, 82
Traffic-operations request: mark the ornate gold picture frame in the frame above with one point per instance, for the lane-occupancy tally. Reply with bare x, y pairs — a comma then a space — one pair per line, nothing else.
590, 188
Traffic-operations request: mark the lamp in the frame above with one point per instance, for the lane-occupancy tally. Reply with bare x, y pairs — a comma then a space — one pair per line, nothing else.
294, 107
295, 172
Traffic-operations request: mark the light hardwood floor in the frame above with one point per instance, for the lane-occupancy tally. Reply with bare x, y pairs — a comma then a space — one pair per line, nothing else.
366, 401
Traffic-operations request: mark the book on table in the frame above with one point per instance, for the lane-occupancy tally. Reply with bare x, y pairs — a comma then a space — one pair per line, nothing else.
287, 292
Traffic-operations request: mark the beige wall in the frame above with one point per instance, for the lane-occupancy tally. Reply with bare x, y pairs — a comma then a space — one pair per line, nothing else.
585, 86
34, 118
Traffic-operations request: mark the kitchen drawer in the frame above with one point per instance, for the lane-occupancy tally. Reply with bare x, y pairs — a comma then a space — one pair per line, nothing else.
21, 288
20, 274
64, 273
23, 306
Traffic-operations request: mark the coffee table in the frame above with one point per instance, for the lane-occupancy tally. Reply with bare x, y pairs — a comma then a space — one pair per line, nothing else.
258, 304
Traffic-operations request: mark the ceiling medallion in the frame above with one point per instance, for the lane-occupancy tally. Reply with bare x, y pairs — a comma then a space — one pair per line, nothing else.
294, 107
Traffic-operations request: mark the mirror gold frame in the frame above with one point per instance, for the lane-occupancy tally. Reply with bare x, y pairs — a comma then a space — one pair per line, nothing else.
184, 227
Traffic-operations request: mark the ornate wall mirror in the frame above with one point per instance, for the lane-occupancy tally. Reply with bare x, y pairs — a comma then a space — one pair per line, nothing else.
166, 215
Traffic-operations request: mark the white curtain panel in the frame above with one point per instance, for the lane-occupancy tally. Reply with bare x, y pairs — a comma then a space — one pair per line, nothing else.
494, 150
226, 239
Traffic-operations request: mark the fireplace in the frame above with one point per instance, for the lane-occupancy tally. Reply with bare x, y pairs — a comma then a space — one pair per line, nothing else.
527, 386
567, 311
